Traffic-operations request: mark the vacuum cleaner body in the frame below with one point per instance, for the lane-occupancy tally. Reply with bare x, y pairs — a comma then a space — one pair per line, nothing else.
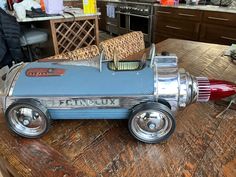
148, 93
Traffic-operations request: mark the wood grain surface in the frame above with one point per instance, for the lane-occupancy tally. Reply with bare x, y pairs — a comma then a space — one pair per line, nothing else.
202, 145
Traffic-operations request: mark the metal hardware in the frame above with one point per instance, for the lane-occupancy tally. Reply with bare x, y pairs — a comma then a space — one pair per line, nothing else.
155, 83
151, 124
100, 61
186, 15
204, 90
133, 13
163, 12
155, 122
228, 38
21, 120
130, 14
82, 102
218, 18
26, 122
152, 54
108, 23
194, 89
11, 86
168, 74
185, 88
173, 27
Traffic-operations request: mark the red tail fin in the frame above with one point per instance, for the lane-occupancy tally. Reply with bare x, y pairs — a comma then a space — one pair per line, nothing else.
221, 89
214, 89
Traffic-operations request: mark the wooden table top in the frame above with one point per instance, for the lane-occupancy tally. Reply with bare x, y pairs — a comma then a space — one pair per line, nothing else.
202, 145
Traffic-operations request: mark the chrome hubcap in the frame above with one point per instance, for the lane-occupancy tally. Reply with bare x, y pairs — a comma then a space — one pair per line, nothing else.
151, 125
27, 120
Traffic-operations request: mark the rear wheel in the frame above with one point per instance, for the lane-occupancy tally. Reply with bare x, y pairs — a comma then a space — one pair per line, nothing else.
151, 122
28, 118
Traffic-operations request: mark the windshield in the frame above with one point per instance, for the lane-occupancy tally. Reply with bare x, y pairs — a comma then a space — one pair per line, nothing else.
126, 65
10, 77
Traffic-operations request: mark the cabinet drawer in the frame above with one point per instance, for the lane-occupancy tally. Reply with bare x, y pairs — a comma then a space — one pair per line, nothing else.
220, 18
165, 11
178, 13
186, 14
218, 34
187, 30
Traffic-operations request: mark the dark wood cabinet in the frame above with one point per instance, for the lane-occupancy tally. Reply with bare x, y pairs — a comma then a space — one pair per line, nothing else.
218, 27
176, 23
220, 18
191, 24
102, 18
177, 13
218, 34
177, 28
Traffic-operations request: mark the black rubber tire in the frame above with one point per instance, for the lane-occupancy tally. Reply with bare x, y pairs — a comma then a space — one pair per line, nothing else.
31, 103
154, 106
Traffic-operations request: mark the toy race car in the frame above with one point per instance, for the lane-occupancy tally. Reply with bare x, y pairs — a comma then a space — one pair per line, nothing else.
147, 92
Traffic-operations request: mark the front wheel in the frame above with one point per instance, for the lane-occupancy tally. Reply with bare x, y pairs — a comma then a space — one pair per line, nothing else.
151, 122
28, 118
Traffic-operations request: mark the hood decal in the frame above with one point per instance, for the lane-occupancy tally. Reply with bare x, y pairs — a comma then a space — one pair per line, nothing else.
44, 72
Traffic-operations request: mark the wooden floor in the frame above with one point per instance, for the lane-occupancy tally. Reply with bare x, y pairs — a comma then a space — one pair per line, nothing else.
202, 145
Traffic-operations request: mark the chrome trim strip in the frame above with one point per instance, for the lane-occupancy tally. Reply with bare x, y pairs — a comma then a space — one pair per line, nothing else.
187, 90
10, 92
194, 89
168, 80
10, 83
85, 102
152, 55
155, 82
